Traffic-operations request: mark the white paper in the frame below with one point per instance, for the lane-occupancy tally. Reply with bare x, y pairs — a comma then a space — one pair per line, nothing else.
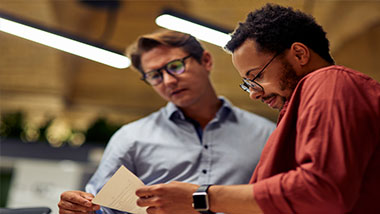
119, 192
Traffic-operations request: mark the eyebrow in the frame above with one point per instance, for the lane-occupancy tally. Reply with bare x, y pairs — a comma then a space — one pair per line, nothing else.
162, 67
250, 70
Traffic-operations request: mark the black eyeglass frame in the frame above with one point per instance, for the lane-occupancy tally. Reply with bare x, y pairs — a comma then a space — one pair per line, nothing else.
165, 67
250, 83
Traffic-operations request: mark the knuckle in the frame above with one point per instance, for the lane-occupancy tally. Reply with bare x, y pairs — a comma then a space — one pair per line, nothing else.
140, 202
158, 201
150, 210
62, 195
160, 188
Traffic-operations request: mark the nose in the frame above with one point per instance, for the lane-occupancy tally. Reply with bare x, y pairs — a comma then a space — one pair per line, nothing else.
168, 78
255, 95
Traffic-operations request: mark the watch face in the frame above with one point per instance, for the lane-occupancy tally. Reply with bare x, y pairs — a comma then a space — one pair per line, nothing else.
200, 201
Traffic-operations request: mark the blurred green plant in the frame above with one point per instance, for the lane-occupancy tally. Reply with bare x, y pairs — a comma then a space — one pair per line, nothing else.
101, 131
13, 125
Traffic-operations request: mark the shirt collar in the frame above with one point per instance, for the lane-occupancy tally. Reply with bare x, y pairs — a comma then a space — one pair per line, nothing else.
226, 110
282, 112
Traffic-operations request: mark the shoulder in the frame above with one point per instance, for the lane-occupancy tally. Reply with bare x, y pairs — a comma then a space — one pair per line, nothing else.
335, 75
336, 87
141, 126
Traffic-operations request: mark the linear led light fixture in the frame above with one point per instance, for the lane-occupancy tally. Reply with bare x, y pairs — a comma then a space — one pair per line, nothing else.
199, 29
36, 34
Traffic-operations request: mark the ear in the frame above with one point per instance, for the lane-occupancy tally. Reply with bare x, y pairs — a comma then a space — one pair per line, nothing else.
301, 53
207, 60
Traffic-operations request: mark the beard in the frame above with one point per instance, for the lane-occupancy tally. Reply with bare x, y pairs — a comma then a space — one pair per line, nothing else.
289, 78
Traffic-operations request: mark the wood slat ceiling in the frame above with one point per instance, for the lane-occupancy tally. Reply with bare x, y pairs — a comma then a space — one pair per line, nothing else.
46, 82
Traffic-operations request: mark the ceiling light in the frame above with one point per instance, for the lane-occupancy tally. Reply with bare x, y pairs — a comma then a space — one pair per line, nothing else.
64, 44
199, 29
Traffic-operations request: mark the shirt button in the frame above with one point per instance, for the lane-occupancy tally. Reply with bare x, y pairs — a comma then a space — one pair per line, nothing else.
206, 146
204, 171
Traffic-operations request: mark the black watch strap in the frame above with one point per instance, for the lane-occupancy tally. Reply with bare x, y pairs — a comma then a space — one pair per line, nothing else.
204, 188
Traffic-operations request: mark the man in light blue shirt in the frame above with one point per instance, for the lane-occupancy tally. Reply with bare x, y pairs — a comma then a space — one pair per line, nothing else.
197, 137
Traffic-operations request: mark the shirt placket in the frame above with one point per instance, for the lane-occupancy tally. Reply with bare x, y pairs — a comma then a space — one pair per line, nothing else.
206, 159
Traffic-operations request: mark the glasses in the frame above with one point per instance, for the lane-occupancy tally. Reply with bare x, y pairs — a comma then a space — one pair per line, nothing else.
251, 84
173, 68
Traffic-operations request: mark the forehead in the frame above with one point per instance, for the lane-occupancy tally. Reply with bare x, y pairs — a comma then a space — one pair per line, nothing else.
247, 56
159, 56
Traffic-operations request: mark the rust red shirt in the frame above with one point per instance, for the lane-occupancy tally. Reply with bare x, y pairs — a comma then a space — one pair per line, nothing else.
324, 156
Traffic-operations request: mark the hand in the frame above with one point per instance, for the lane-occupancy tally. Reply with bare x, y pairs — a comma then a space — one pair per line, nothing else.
172, 198
73, 202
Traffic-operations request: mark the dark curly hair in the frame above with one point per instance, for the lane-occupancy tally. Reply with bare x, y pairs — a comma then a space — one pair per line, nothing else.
275, 28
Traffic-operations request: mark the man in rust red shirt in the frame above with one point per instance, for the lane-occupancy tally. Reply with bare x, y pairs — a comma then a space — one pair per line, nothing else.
324, 156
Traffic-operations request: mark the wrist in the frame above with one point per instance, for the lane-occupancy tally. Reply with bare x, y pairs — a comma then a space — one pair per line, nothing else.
201, 202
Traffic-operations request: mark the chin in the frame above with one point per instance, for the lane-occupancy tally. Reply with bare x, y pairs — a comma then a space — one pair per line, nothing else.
182, 103
279, 108
280, 103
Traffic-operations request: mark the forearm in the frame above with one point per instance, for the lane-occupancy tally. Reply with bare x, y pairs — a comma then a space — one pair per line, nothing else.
232, 199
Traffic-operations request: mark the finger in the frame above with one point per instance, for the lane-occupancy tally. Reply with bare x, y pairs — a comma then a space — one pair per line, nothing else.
154, 201
77, 197
68, 206
72, 212
148, 191
152, 210
86, 195
90, 197
63, 211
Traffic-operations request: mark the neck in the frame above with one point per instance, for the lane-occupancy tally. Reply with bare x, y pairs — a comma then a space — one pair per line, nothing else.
204, 110
316, 63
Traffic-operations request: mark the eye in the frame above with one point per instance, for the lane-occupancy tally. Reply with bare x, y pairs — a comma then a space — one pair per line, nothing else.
175, 67
252, 76
153, 75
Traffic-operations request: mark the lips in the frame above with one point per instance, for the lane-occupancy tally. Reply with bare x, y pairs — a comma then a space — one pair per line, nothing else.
270, 101
176, 92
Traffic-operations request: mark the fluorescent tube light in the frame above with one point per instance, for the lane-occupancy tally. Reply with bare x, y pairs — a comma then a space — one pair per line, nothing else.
65, 44
201, 30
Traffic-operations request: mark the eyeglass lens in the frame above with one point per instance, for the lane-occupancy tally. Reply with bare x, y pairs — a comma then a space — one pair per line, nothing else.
248, 84
155, 77
245, 87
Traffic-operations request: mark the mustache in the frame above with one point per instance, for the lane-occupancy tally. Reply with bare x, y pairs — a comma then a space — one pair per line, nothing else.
270, 96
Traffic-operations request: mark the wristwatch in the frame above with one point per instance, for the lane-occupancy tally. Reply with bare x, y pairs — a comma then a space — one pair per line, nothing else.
200, 200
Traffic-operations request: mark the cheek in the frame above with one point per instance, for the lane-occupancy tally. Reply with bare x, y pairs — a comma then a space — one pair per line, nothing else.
160, 90
195, 76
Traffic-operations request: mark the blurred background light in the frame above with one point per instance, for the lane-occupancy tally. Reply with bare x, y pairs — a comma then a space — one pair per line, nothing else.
199, 29
64, 44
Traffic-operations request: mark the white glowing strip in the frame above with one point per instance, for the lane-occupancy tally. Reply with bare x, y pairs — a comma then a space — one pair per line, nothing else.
65, 44
201, 32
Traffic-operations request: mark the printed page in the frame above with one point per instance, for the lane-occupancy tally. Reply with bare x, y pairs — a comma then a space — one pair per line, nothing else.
119, 192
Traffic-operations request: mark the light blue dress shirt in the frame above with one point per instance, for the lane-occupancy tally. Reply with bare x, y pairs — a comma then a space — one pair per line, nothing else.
165, 146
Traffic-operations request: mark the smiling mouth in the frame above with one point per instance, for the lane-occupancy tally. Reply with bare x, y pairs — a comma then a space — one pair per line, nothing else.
270, 101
